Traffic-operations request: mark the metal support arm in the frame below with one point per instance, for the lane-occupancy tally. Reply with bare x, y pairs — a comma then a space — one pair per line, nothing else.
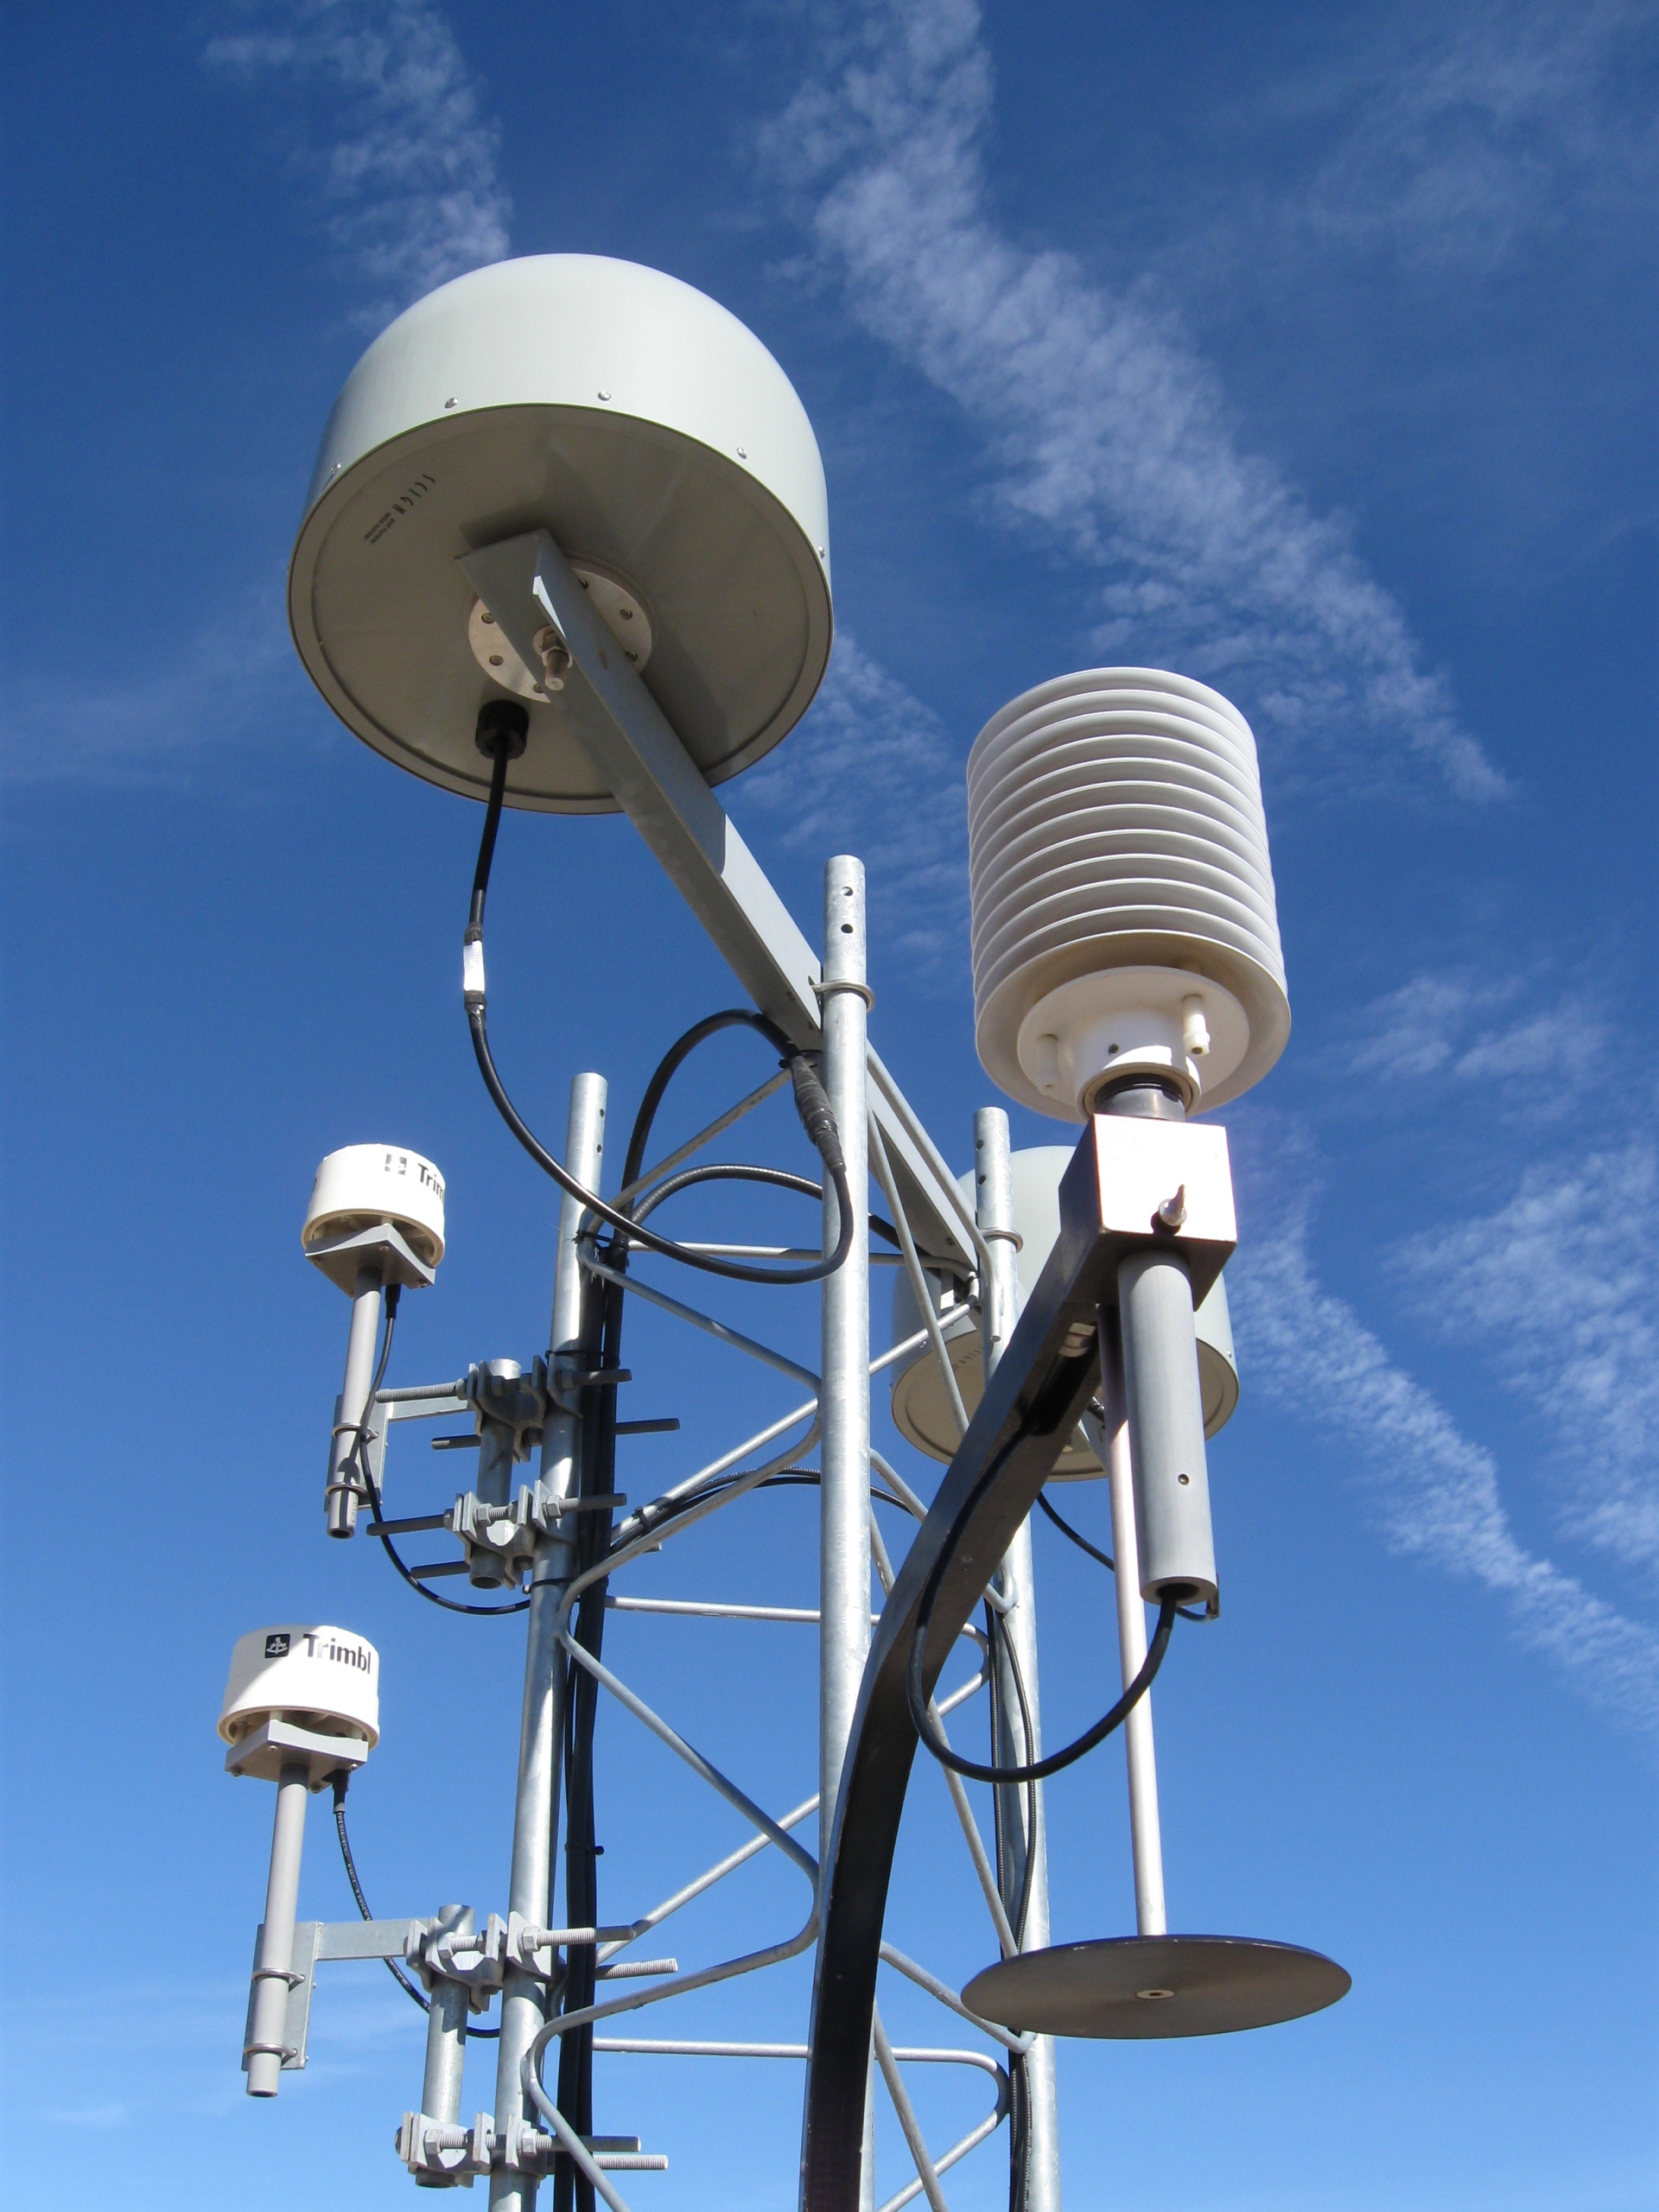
525, 582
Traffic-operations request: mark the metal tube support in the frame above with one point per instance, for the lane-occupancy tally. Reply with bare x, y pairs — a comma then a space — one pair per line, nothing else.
342, 1498
999, 1307
1165, 1407
523, 2000
445, 2039
494, 1476
272, 1976
1145, 1836
844, 1449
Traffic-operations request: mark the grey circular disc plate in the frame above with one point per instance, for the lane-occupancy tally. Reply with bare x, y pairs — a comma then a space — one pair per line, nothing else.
737, 600
1138, 1988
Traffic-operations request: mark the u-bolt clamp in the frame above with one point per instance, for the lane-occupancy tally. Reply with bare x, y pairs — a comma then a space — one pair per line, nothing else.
442, 2153
508, 1530
445, 2153
517, 1401
569, 1376
477, 1961
523, 2149
526, 1941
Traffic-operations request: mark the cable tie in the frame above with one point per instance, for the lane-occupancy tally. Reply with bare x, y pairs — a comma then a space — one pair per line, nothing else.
822, 991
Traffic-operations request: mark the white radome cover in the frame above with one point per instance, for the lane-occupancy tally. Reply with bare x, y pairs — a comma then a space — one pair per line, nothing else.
363, 1184
656, 439
323, 1678
1120, 879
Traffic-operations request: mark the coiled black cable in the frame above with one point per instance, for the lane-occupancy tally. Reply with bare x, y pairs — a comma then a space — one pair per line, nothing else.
811, 1100
340, 1784
359, 1453
1076, 1536
720, 1171
915, 1694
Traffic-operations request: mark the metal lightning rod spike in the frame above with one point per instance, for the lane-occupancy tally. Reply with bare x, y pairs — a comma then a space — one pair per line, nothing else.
844, 1400
1000, 1302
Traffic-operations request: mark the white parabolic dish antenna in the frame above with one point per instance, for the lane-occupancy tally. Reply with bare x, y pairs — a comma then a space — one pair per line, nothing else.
655, 439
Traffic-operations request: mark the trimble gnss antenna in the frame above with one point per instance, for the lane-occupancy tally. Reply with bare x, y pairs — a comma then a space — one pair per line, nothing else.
567, 550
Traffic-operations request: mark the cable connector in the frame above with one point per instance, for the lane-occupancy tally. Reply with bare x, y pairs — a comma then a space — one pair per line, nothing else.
472, 970
817, 1115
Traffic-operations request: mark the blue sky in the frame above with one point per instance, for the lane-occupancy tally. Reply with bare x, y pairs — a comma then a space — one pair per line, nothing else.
1312, 354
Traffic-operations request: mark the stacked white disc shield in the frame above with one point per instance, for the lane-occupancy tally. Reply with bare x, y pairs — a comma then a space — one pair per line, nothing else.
1123, 913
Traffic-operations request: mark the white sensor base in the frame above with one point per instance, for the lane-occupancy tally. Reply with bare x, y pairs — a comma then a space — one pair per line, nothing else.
1120, 1022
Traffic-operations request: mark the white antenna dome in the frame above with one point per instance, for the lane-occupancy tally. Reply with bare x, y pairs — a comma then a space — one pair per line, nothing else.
364, 1187
1123, 913
663, 450
300, 1691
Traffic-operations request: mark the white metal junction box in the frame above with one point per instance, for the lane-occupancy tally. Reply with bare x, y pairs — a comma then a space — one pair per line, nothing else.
1170, 1181
921, 1410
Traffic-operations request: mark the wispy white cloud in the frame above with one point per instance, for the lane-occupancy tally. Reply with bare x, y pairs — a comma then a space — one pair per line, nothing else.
1539, 1259
1469, 1027
1110, 434
1557, 1282
391, 144
1472, 133
1436, 1492
400, 159
171, 725
871, 771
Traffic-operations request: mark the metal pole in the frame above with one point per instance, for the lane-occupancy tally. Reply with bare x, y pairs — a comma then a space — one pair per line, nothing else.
445, 2039
1145, 1835
845, 1403
270, 1977
495, 1462
493, 1480
524, 2001
342, 1499
999, 1310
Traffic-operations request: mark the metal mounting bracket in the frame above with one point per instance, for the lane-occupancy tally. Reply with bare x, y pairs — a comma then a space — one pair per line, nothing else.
477, 1960
526, 582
